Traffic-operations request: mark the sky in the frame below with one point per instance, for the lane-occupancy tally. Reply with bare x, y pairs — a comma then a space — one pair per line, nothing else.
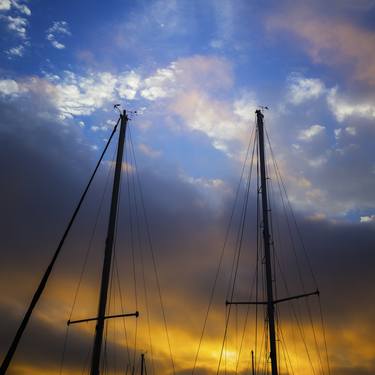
195, 72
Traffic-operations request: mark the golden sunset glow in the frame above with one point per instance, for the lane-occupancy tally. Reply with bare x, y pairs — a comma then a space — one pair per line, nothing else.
187, 187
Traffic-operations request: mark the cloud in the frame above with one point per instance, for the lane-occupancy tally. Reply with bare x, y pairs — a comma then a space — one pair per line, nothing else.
351, 130
343, 107
75, 95
160, 85
301, 89
367, 219
57, 30
335, 170
311, 132
330, 40
184, 228
16, 51
10, 87
188, 88
6, 5
197, 72
17, 24
211, 117
245, 106
149, 151
128, 85
23, 8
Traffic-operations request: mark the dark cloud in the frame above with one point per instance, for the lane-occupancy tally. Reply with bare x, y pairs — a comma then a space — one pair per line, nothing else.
44, 168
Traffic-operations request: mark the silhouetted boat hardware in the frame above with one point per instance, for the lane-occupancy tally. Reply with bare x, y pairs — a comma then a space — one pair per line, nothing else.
266, 359
107, 269
271, 355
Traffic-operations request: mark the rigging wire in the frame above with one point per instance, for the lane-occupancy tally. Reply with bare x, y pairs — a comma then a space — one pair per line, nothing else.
257, 257
304, 250
44, 280
245, 323
277, 239
243, 217
153, 255
138, 229
115, 274
282, 189
116, 269
127, 167
226, 237
83, 268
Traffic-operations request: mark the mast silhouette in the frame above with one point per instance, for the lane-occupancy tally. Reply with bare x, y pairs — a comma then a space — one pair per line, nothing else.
142, 364
42, 285
101, 317
267, 245
96, 354
270, 302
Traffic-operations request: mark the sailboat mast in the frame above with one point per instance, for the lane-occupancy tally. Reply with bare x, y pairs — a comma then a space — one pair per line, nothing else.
142, 363
95, 362
266, 240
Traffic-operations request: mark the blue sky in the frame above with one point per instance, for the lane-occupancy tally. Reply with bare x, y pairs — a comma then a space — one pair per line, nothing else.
215, 55
195, 71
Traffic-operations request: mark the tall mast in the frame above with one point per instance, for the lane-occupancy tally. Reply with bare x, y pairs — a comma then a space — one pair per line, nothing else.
95, 362
266, 241
271, 302
42, 285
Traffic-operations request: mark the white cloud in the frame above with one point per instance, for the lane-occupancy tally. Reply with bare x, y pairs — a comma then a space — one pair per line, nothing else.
367, 219
17, 24
343, 108
5, 4
160, 85
193, 82
301, 89
128, 85
102, 127
197, 72
10, 87
78, 95
189, 89
54, 42
58, 29
208, 183
351, 130
16, 51
245, 107
311, 132
212, 117
21, 7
